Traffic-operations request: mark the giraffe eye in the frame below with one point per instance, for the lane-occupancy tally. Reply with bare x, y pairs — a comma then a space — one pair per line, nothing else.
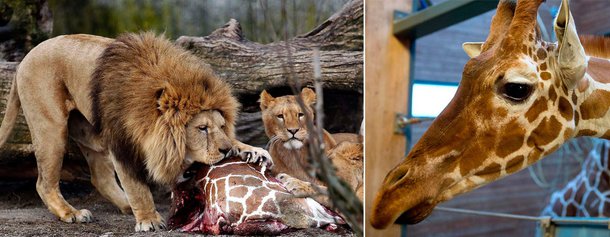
516, 91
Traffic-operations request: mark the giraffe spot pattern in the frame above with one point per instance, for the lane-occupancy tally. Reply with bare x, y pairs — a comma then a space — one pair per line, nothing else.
543, 66
512, 136
541, 53
552, 94
546, 132
565, 109
473, 157
574, 99
490, 169
538, 107
586, 133
590, 109
515, 164
545, 75
501, 112
567, 134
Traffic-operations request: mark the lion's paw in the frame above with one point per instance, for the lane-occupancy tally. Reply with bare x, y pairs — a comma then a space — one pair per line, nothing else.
295, 186
152, 224
78, 216
257, 155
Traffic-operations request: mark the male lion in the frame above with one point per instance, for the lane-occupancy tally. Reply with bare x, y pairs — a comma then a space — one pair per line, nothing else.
137, 104
285, 125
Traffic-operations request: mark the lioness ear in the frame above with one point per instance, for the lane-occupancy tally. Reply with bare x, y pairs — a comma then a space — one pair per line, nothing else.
572, 60
265, 99
473, 49
309, 96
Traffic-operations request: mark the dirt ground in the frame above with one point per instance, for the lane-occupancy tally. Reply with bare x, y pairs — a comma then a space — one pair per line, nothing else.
22, 213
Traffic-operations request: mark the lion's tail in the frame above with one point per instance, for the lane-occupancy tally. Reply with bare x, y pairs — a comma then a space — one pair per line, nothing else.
10, 115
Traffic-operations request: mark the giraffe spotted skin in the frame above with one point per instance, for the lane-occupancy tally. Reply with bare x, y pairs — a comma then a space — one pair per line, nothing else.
587, 194
233, 197
520, 99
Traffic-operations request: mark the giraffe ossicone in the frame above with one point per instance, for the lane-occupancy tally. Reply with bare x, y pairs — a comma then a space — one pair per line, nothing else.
520, 98
234, 197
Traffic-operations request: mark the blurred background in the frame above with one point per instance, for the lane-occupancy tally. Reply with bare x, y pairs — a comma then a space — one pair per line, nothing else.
24, 23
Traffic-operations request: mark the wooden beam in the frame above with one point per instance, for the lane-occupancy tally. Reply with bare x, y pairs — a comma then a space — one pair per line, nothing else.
387, 83
440, 16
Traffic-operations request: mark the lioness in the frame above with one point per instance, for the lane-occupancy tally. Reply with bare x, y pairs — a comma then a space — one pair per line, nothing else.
285, 126
137, 104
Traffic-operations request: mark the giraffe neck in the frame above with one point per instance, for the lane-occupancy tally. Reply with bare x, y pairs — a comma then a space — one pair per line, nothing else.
588, 193
592, 100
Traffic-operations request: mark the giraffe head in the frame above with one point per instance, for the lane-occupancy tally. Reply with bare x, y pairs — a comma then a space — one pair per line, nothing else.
513, 106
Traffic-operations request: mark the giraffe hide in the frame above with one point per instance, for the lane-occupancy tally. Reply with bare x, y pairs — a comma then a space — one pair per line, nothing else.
233, 197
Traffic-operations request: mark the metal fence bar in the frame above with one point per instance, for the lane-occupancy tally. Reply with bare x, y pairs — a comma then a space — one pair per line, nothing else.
486, 213
558, 220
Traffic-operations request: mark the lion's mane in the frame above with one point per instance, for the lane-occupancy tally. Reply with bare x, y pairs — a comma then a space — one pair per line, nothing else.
144, 92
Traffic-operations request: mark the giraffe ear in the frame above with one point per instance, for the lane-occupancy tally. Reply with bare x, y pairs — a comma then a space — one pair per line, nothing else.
571, 59
473, 49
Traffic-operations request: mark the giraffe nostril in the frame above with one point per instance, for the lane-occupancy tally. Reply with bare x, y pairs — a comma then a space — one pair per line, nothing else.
398, 175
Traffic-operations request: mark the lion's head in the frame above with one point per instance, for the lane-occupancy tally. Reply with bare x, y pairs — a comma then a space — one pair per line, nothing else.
284, 119
160, 107
206, 138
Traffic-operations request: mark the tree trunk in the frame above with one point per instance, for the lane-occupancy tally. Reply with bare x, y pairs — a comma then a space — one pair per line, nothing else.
252, 67
249, 67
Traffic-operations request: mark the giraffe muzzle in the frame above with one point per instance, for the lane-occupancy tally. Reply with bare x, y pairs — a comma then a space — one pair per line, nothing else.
408, 195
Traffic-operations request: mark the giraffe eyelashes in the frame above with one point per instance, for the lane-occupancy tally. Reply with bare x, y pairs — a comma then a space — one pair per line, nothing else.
516, 92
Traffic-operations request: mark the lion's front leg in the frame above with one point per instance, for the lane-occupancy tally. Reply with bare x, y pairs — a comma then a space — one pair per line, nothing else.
141, 200
252, 154
302, 189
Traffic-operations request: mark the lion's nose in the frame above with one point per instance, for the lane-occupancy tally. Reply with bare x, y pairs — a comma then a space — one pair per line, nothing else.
293, 131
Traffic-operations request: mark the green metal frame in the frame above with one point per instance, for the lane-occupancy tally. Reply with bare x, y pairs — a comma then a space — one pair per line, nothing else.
440, 16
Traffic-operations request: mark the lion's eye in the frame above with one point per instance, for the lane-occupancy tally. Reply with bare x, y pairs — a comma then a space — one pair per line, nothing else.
280, 116
516, 91
301, 115
203, 128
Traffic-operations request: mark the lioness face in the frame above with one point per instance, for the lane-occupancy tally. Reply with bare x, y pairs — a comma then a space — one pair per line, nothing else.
206, 138
284, 119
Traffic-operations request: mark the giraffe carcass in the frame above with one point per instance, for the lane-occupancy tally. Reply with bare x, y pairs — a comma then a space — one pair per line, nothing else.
233, 197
